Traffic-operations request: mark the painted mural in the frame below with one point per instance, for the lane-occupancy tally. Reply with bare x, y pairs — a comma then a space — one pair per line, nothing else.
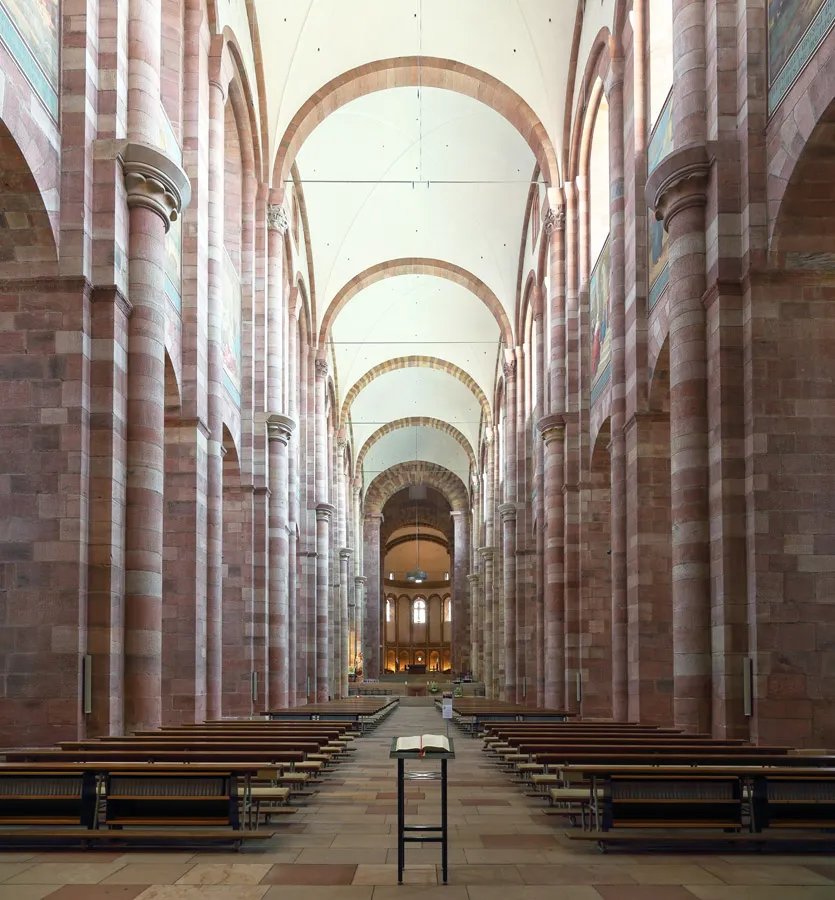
30, 30
659, 256
795, 30
167, 142
231, 345
599, 317
661, 140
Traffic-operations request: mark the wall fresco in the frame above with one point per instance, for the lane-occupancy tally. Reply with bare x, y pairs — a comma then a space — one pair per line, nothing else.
30, 29
599, 320
795, 30
231, 342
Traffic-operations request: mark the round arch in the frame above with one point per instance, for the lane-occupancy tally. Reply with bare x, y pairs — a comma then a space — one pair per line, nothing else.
411, 71
416, 422
417, 266
414, 362
403, 475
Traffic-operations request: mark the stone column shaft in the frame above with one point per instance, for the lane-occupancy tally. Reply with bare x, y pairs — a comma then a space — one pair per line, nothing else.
508, 516
214, 491
371, 628
553, 433
460, 594
157, 191
617, 450
280, 431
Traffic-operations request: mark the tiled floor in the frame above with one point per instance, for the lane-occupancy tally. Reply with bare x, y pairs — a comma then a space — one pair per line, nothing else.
342, 846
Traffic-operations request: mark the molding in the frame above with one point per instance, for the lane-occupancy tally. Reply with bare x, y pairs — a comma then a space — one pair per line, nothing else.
192, 422
277, 218
154, 181
280, 428
554, 220
679, 182
113, 294
552, 428
325, 512
719, 289
261, 490
507, 512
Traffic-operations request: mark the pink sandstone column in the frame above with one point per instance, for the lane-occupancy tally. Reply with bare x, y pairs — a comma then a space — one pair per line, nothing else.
552, 429
157, 190
359, 614
298, 622
280, 430
617, 450
538, 600
371, 620
487, 674
324, 518
507, 511
214, 490
460, 592
474, 582
680, 197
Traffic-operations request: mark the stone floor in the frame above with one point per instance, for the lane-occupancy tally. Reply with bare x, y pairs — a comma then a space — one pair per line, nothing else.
342, 846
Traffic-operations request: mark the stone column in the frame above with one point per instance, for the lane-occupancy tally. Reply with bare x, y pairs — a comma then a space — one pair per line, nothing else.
214, 462
280, 430
475, 624
460, 656
552, 429
538, 597
371, 619
617, 447
345, 557
678, 189
359, 616
324, 517
297, 620
157, 191
488, 675
507, 513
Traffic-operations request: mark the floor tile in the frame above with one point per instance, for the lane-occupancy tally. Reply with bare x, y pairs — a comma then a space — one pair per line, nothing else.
482, 875
644, 892
557, 875
98, 892
298, 873
26, 891
204, 892
532, 892
211, 873
750, 874
10, 869
672, 874
387, 874
319, 892
522, 841
762, 892
148, 873
65, 873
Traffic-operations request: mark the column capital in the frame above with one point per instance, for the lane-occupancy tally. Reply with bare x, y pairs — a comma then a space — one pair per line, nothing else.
486, 552
679, 182
280, 428
554, 219
455, 513
277, 218
345, 553
473, 578
154, 181
509, 365
321, 367
371, 517
325, 512
507, 512
360, 580
552, 428
614, 77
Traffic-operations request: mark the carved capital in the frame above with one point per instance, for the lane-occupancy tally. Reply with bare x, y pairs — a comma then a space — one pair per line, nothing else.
360, 580
552, 428
154, 181
555, 219
507, 512
346, 553
509, 368
321, 368
277, 218
280, 428
325, 512
474, 579
486, 553
679, 182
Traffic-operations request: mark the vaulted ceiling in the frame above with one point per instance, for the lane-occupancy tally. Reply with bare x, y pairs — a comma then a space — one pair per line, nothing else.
415, 191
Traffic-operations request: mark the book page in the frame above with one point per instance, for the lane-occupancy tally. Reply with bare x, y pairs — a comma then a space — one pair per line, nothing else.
435, 742
408, 743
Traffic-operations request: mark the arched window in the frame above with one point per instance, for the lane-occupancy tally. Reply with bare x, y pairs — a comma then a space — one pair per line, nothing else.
388, 610
447, 610
419, 612
660, 33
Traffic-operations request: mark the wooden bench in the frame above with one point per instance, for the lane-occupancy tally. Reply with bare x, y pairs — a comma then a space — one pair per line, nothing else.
48, 798
795, 801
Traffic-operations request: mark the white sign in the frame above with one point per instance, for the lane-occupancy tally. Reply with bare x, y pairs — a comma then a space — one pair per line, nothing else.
446, 707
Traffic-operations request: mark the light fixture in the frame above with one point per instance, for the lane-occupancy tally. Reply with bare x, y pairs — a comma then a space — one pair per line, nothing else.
417, 575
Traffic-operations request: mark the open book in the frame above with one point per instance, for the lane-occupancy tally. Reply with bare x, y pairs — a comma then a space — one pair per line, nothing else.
423, 743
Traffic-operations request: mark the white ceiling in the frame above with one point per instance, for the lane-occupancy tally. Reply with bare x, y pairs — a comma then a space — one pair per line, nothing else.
418, 443
395, 175
417, 172
526, 44
400, 317
415, 392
